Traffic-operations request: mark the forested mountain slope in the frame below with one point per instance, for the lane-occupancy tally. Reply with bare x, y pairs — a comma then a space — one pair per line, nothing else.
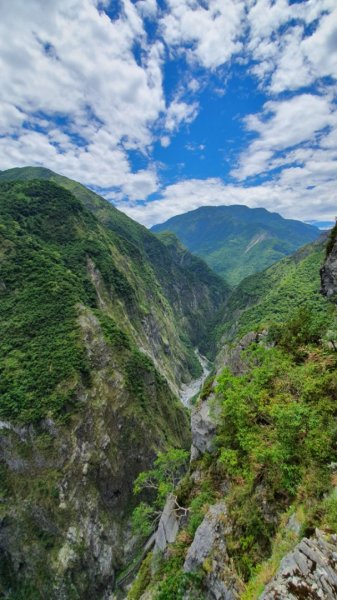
273, 295
237, 241
99, 320
257, 516
194, 292
93, 347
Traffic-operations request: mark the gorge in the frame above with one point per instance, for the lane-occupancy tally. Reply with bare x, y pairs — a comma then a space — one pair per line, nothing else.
100, 320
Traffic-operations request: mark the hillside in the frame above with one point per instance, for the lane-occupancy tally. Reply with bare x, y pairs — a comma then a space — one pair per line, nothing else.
178, 284
274, 294
237, 241
93, 351
257, 506
98, 478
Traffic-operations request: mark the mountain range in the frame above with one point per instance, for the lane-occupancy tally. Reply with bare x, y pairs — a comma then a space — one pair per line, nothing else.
97, 336
237, 241
109, 486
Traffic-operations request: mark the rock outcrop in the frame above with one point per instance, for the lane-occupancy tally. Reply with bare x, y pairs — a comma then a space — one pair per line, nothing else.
168, 526
208, 551
205, 413
309, 571
203, 428
329, 269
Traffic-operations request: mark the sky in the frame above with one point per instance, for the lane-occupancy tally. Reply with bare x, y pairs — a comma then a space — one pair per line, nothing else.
163, 106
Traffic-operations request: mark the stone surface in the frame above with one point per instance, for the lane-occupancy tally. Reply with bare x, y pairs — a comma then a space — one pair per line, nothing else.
208, 551
204, 413
309, 571
203, 429
329, 274
168, 526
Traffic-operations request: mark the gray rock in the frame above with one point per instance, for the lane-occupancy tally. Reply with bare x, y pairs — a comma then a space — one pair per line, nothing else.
168, 526
205, 537
309, 571
294, 524
329, 274
203, 429
209, 544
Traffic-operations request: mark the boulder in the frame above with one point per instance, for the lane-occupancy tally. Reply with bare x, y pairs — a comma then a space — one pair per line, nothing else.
309, 571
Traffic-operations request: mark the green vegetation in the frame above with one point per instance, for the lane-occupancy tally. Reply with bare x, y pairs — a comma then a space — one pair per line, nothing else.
86, 299
237, 241
42, 359
276, 441
155, 266
56, 257
159, 481
276, 293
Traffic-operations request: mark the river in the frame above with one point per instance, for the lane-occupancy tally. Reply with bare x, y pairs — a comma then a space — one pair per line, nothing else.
189, 390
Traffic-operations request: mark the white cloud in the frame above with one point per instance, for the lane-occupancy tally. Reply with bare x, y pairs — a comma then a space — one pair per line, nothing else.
147, 8
71, 67
213, 28
292, 200
281, 126
165, 141
287, 57
76, 98
180, 112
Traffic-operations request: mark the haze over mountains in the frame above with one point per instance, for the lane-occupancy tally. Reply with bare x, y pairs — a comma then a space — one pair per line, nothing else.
237, 241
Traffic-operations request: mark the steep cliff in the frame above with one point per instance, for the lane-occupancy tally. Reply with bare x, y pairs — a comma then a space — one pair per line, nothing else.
259, 499
329, 269
94, 347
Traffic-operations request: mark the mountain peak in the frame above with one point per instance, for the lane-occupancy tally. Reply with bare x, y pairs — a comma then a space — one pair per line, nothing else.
237, 241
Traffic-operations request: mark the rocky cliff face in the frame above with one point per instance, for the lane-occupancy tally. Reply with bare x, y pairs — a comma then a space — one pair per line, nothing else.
96, 340
329, 269
309, 571
231, 518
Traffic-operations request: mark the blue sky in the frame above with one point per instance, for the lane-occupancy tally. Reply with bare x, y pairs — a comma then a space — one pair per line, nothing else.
167, 105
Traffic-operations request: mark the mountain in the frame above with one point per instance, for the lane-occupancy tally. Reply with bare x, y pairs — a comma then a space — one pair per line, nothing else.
237, 241
99, 322
97, 335
255, 515
276, 293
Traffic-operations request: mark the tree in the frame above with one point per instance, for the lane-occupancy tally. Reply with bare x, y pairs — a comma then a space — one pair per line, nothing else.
160, 481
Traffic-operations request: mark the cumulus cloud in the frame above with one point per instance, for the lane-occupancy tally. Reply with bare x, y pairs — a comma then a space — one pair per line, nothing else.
70, 74
82, 90
180, 112
292, 200
281, 126
288, 55
208, 32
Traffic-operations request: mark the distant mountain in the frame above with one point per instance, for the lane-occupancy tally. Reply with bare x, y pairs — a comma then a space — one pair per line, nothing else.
322, 224
237, 241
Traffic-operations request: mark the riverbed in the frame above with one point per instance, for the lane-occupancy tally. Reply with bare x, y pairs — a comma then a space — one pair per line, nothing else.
189, 390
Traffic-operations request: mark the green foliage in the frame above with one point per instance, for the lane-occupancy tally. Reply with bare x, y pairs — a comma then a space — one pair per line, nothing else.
329, 507
143, 518
159, 481
273, 296
42, 359
305, 327
167, 470
142, 580
277, 433
237, 241
175, 586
